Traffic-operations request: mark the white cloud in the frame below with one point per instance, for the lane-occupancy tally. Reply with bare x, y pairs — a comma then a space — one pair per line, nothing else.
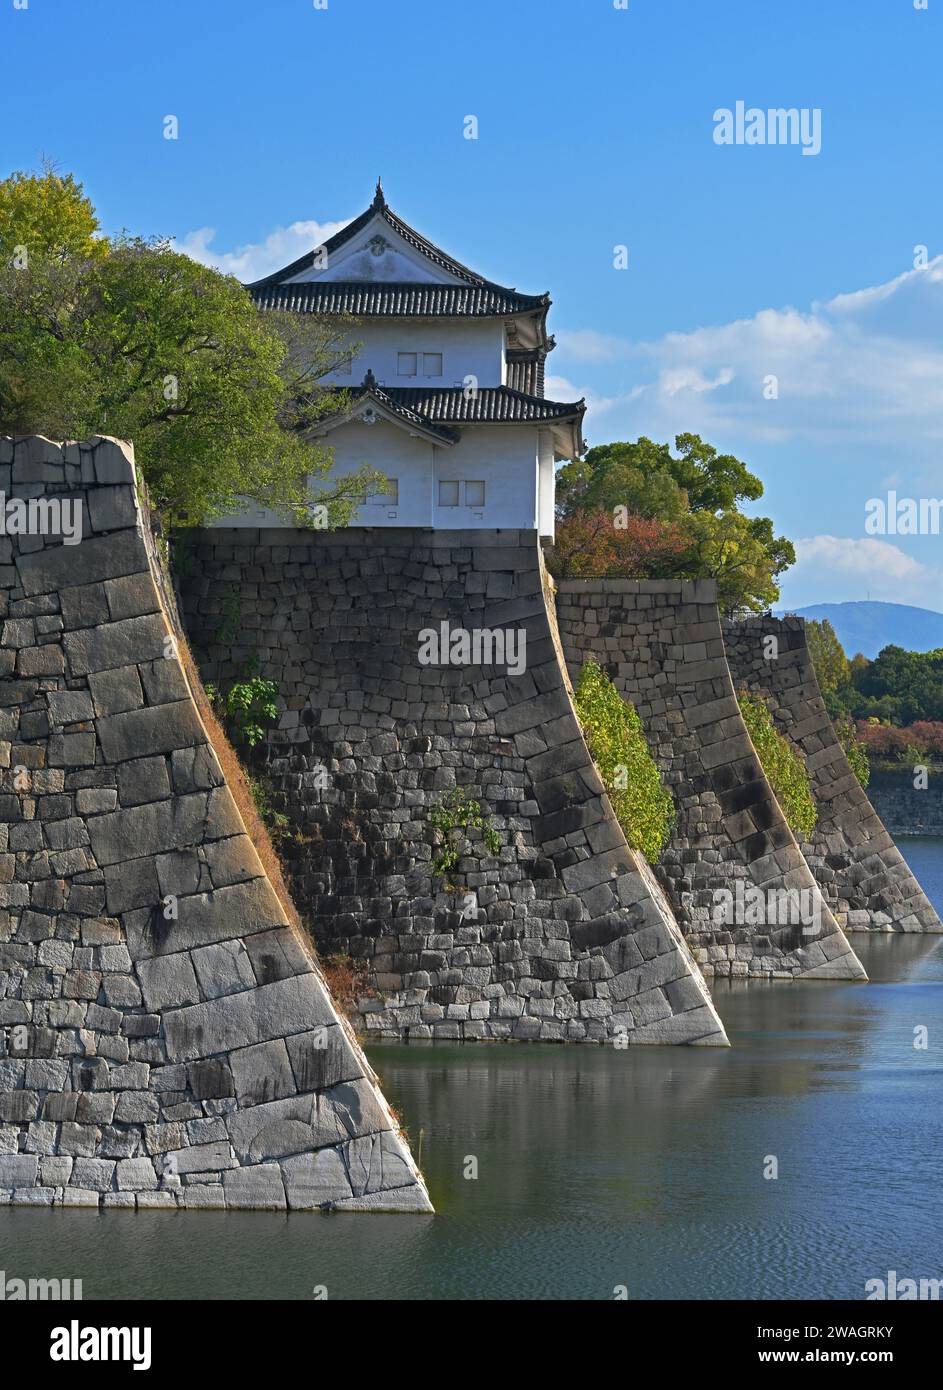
863, 367
839, 568
251, 262
560, 388
586, 345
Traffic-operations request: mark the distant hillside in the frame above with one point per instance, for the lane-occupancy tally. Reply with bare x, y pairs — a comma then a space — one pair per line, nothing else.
867, 627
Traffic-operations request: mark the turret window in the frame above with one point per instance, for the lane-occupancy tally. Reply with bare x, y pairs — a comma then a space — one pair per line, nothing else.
429, 364
454, 492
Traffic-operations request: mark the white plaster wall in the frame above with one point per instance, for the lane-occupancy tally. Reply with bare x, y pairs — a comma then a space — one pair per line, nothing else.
406, 457
504, 457
546, 483
468, 347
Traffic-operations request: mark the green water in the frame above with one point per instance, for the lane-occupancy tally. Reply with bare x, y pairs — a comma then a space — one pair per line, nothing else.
599, 1168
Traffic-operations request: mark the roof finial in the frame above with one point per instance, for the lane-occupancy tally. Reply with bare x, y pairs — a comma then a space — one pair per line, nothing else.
378, 199
369, 380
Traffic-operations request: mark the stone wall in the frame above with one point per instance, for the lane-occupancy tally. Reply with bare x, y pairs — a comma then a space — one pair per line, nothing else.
903, 808
867, 882
166, 1037
563, 933
661, 642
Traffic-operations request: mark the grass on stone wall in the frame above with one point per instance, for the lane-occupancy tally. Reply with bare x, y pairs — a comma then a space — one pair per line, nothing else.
854, 750
237, 782
614, 736
783, 765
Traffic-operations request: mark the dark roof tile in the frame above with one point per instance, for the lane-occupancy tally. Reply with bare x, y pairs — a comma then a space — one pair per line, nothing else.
368, 299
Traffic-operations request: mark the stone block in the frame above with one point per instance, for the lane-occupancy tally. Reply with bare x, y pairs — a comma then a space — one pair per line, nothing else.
259, 1188
222, 969
262, 1073
168, 981
155, 729
315, 1180
115, 645
142, 780
238, 1020
116, 691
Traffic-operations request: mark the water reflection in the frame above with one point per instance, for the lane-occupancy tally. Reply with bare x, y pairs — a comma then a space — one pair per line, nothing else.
597, 1168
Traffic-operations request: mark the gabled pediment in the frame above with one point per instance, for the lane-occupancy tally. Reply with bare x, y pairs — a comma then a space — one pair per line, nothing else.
372, 405
378, 252
376, 246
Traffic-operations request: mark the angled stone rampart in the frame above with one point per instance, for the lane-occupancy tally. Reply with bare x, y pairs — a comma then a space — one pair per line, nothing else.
166, 1036
561, 934
866, 880
661, 642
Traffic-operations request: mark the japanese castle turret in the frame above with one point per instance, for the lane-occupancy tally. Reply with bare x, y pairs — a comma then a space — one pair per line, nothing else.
446, 383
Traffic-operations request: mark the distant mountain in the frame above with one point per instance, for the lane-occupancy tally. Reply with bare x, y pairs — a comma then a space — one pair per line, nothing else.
867, 627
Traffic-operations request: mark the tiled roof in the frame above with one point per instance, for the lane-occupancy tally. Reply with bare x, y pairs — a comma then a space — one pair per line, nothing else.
365, 299
440, 410
492, 404
405, 411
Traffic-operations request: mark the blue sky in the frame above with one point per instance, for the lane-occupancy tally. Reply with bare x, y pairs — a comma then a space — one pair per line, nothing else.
595, 130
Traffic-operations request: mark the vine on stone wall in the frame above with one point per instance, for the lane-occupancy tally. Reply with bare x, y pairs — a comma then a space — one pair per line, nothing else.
614, 736
853, 748
452, 818
785, 770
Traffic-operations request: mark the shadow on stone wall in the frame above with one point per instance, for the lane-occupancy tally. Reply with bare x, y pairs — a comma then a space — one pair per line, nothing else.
661, 643
564, 933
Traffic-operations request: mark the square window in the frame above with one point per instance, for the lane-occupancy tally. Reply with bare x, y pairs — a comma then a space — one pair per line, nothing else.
390, 498
448, 493
474, 494
406, 363
432, 364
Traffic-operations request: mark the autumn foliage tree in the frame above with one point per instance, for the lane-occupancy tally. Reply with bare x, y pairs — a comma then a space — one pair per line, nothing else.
590, 546
684, 519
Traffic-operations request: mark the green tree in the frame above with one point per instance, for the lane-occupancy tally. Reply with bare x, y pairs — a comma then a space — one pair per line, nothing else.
855, 751
48, 215
742, 554
140, 342
635, 476
648, 479
828, 656
901, 686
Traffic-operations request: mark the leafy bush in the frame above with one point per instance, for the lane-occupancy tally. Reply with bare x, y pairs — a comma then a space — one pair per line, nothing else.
457, 812
784, 768
613, 732
246, 709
